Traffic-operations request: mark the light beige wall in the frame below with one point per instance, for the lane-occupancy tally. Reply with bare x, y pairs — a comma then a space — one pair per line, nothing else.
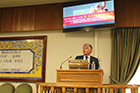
104, 52
60, 46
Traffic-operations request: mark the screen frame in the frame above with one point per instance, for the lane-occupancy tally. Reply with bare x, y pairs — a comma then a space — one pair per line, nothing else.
87, 28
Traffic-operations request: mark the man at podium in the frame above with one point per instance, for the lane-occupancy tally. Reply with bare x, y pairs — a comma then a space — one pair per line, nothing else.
87, 49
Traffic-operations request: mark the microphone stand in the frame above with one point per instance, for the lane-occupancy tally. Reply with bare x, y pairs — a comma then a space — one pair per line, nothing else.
64, 62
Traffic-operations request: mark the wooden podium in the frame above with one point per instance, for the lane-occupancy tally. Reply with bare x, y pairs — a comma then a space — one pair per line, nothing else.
79, 76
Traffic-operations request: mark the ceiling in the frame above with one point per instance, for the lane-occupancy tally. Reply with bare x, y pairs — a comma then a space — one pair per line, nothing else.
16, 3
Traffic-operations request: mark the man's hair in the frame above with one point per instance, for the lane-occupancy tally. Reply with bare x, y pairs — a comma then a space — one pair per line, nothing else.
86, 44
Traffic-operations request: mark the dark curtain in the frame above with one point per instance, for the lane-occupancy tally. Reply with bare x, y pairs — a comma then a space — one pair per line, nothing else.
125, 54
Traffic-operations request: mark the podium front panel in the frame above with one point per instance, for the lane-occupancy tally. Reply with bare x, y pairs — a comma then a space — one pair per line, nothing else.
79, 76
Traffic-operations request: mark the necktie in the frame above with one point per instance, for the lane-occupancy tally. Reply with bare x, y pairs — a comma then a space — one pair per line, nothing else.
90, 64
86, 57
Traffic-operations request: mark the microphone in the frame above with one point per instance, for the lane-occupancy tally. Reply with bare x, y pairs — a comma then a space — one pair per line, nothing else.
64, 62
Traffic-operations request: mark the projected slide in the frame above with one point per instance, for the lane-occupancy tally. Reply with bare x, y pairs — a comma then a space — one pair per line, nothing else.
92, 14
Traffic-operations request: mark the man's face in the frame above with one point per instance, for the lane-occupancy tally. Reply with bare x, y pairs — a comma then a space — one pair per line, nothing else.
86, 50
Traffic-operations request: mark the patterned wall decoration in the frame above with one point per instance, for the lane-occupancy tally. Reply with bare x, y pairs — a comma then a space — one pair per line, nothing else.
23, 58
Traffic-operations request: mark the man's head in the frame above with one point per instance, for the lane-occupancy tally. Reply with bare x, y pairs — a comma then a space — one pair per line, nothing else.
87, 49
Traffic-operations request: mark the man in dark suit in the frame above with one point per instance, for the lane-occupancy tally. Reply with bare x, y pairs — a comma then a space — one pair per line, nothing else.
87, 49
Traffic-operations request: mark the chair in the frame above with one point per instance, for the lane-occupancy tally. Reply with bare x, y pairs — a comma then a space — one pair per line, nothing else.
7, 88
23, 88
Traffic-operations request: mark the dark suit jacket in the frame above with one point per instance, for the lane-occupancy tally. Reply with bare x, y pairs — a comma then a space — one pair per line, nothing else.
91, 60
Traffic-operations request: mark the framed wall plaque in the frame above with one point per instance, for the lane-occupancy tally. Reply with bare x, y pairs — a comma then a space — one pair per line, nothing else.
23, 59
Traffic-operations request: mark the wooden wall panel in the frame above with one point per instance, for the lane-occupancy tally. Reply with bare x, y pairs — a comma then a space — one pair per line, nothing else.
23, 19
0, 19
31, 18
27, 18
16, 26
127, 13
48, 17
137, 13
7, 17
